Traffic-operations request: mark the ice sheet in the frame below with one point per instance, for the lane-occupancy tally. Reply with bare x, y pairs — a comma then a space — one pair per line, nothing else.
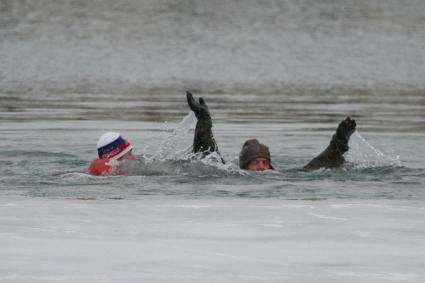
210, 240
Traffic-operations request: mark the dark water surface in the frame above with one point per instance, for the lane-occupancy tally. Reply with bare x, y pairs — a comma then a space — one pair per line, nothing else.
43, 151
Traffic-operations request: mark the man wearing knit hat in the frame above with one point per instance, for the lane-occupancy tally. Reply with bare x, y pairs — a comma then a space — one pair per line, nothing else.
111, 148
255, 156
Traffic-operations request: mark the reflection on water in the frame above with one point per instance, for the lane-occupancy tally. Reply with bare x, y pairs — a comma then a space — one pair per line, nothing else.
378, 110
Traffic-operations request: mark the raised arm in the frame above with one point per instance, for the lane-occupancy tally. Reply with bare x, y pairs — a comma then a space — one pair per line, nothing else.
204, 139
332, 156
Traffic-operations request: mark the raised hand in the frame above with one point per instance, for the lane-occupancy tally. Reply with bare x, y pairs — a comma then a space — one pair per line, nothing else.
199, 108
203, 140
345, 129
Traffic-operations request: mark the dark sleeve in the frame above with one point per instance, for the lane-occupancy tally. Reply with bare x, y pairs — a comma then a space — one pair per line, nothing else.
204, 140
332, 156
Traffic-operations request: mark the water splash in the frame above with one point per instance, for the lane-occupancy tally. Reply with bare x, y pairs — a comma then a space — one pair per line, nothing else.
214, 160
365, 155
178, 145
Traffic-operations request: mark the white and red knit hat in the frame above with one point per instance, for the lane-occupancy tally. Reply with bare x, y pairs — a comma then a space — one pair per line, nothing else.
112, 146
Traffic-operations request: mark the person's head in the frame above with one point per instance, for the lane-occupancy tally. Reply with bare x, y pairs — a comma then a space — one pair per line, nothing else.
112, 146
255, 156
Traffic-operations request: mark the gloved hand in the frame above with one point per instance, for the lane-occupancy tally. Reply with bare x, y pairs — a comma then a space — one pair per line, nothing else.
199, 108
345, 129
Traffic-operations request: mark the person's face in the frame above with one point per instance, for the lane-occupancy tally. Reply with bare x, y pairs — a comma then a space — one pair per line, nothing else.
259, 164
128, 156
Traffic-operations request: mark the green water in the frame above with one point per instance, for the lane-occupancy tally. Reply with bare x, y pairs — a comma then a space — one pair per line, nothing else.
47, 157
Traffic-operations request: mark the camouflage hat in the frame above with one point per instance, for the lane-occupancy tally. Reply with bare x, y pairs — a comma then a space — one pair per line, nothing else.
252, 149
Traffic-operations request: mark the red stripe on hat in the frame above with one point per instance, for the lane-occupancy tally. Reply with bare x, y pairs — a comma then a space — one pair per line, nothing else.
116, 151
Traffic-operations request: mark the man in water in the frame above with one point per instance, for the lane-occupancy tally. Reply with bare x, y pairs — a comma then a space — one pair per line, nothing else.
255, 156
111, 148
